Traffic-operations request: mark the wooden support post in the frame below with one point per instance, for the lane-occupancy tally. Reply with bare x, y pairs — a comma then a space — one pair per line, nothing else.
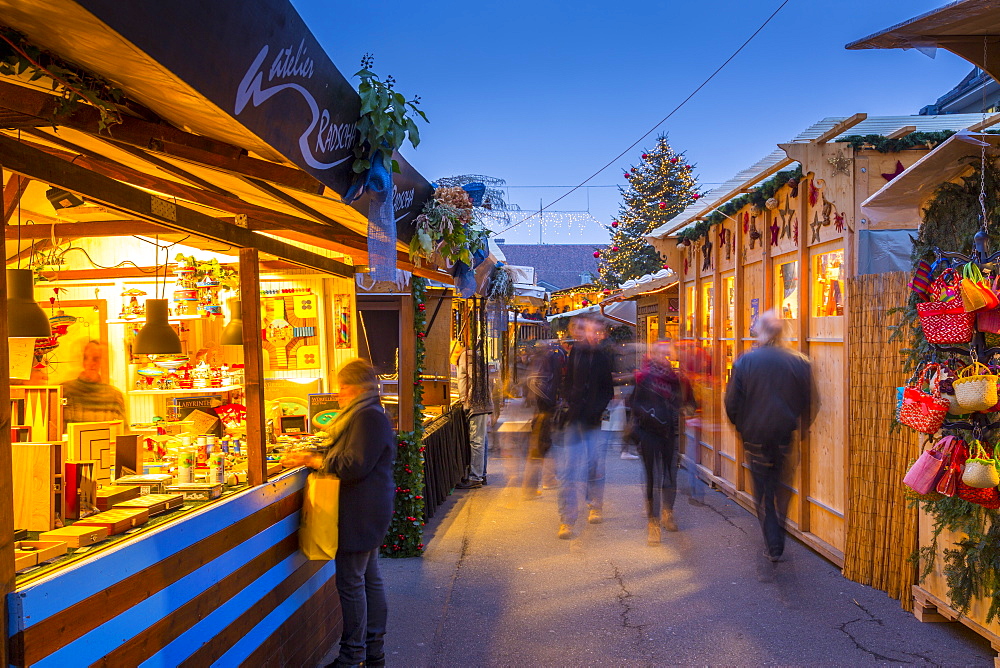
718, 363
696, 335
253, 363
805, 310
407, 363
739, 326
6, 473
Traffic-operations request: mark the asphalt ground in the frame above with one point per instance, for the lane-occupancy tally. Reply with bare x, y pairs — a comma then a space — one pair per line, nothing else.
496, 587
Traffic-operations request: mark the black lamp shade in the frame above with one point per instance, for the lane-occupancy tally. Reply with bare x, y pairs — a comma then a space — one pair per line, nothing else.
62, 199
25, 318
232, 333
157, 337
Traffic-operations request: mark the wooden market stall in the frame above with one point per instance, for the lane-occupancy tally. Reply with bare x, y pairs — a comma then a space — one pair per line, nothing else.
792, 245
98, 201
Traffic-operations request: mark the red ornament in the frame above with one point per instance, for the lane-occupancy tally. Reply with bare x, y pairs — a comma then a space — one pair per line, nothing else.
645, 155
614, 249
606, 291
663, 205
673, 160
597, 253
627, 175
585, 302
696, 196
666, 266
688, 167
614, 223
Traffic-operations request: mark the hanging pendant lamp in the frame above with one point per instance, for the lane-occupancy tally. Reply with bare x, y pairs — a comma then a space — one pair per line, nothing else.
25, 318
157, 337
232, 334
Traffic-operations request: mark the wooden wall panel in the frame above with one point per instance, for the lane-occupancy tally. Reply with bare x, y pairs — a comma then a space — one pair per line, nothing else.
827, 461
221, 582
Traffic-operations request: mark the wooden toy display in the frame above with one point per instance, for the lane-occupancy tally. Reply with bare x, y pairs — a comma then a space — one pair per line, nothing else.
78, 535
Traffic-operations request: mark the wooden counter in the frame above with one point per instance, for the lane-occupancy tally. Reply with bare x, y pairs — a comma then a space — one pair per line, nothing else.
225, 584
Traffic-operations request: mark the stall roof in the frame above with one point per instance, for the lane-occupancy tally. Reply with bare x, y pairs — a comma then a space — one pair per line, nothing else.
200, 129
646, 284
828, 129
959, 27
620, 311
900, 201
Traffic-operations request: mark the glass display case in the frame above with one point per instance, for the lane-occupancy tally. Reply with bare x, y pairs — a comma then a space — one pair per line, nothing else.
786, 289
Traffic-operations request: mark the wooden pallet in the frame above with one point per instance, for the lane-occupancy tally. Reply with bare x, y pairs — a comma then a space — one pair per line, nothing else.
929, 608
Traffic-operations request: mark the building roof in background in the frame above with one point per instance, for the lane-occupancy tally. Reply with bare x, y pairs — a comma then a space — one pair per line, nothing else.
557, 265
778, 159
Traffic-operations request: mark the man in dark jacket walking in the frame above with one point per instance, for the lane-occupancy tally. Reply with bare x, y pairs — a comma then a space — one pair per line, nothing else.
361, 454
770, 391
588, 390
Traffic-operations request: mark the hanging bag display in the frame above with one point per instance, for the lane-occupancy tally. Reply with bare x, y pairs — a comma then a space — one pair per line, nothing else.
923, 476
920, 410
975, 388
944, 319
976, 292
945, 379
980, 469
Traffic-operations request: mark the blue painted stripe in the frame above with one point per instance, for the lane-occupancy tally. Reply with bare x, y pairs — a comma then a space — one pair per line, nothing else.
191, 640
258, 634
105, 638
43, 599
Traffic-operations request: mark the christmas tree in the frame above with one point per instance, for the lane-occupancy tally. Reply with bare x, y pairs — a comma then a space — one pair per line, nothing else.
659, 188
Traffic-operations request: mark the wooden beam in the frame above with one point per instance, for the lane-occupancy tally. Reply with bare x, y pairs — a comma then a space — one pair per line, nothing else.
36, 164
104, 228
840, 128
990, 120
253, 367
902, 132
156, 137
12, 195
6, 473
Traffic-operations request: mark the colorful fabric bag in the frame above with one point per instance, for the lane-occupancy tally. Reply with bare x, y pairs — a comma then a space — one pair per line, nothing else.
920, 410
945, 319
976, 292
948, 484
975, 388
923, 476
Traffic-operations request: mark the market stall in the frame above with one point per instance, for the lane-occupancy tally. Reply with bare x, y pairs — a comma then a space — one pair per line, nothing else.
212, 255
791, 242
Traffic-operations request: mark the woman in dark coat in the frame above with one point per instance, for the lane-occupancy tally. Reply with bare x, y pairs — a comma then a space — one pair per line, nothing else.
660, 391
362, 449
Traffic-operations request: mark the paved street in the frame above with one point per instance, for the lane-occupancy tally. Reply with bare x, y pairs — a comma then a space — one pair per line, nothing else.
496, 587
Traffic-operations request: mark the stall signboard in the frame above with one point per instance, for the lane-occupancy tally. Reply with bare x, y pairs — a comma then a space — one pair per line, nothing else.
262, 65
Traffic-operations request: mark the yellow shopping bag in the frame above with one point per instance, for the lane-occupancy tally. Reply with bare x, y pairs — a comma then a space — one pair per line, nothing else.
320, 510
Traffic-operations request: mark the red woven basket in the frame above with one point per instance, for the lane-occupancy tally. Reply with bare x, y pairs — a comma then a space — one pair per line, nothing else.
946, 322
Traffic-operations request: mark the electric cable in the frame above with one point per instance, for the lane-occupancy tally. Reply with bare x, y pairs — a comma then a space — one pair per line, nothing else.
661, 122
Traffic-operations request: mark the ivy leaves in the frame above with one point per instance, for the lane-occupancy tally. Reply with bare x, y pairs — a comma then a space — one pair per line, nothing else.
386, 122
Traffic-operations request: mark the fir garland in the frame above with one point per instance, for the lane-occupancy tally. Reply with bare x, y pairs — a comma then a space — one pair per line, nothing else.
882, 144
406, 530
757, 197
972, 566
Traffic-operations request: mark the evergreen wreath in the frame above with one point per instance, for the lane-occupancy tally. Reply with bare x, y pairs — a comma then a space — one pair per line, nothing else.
406, 530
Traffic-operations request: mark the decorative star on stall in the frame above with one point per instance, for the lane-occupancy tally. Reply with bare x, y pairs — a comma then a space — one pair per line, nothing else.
786, 220
899, 170
841, 164
774, 232
815, 226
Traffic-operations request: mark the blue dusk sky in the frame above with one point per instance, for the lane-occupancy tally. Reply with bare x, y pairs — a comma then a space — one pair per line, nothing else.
544, 93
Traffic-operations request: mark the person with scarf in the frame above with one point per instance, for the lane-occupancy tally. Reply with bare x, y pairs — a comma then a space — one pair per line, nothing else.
361, 453
660, 392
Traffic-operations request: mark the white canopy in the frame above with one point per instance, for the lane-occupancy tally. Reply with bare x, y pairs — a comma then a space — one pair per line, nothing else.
616, 313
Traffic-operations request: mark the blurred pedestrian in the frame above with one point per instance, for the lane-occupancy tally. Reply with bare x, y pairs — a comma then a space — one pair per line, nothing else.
587, 390
543, 381
473, 392
361, 453
660, 392
770, 393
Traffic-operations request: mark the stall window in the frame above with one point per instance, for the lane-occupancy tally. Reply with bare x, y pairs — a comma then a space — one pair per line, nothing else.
689, 312
786, 289
652, 328
828, 290
707, 308
729, 291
